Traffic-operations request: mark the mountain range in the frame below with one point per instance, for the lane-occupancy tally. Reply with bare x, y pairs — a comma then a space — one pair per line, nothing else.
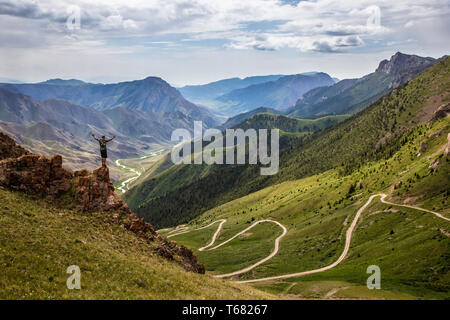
61, 115
279, 94
352, 95
233, 96
349, 96
151, 94
212, 90
363, 181
345, 146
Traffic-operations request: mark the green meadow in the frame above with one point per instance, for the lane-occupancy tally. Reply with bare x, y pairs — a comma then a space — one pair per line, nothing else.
410, 246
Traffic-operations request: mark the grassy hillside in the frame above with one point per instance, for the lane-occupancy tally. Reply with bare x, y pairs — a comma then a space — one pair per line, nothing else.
352, 95
375, 133
340, 99
233, 121
163, 177
410, 246
38, 243
288, 124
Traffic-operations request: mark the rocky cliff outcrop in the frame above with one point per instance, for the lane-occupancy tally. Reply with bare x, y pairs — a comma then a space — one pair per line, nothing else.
441, 112
35, 174
404, 67
9, 149
92, 191
400, 62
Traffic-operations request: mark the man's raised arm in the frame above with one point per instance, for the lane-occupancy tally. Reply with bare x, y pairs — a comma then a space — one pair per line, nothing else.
111, 139
94, 137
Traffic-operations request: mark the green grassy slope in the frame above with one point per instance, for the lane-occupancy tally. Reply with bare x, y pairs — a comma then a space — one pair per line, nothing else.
341, 99
373, 134
288, 124
38, 243
233, 121
151, 184
410, 246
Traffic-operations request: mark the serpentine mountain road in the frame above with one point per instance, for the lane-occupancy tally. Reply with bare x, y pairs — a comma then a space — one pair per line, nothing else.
344, 253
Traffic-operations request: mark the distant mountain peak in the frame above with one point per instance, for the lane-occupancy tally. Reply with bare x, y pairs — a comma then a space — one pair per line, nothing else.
152, 94
404, 67
62, 82
401, 61
153, 78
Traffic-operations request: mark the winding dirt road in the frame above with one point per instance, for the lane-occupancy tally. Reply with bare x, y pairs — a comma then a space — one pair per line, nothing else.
412, 207
348, 239
270, 256
219, 228
186, 230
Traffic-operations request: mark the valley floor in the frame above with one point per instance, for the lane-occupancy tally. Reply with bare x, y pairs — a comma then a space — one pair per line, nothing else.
134, 168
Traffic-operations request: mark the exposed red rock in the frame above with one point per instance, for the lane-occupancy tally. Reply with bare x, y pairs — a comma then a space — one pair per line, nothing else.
9, 148
35, 174
94, 191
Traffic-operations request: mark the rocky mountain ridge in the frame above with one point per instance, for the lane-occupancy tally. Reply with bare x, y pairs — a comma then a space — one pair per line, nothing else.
404, 67
350, 96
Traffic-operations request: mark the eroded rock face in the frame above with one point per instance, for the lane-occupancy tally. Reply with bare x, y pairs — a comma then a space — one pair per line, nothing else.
9, 148
404, 67
35, 174
442, 112
95, 191
169, 250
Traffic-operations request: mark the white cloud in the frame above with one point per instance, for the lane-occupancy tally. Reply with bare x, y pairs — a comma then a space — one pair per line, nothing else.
409, 24
329, 22
128, 27
116, 22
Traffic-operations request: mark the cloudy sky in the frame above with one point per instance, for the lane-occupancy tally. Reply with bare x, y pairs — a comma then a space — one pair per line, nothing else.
197, 41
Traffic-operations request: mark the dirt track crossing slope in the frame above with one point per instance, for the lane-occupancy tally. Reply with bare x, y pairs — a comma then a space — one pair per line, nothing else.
348, 239
219, 228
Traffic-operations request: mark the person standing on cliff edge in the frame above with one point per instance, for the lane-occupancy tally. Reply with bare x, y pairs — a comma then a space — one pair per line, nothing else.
103, 152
